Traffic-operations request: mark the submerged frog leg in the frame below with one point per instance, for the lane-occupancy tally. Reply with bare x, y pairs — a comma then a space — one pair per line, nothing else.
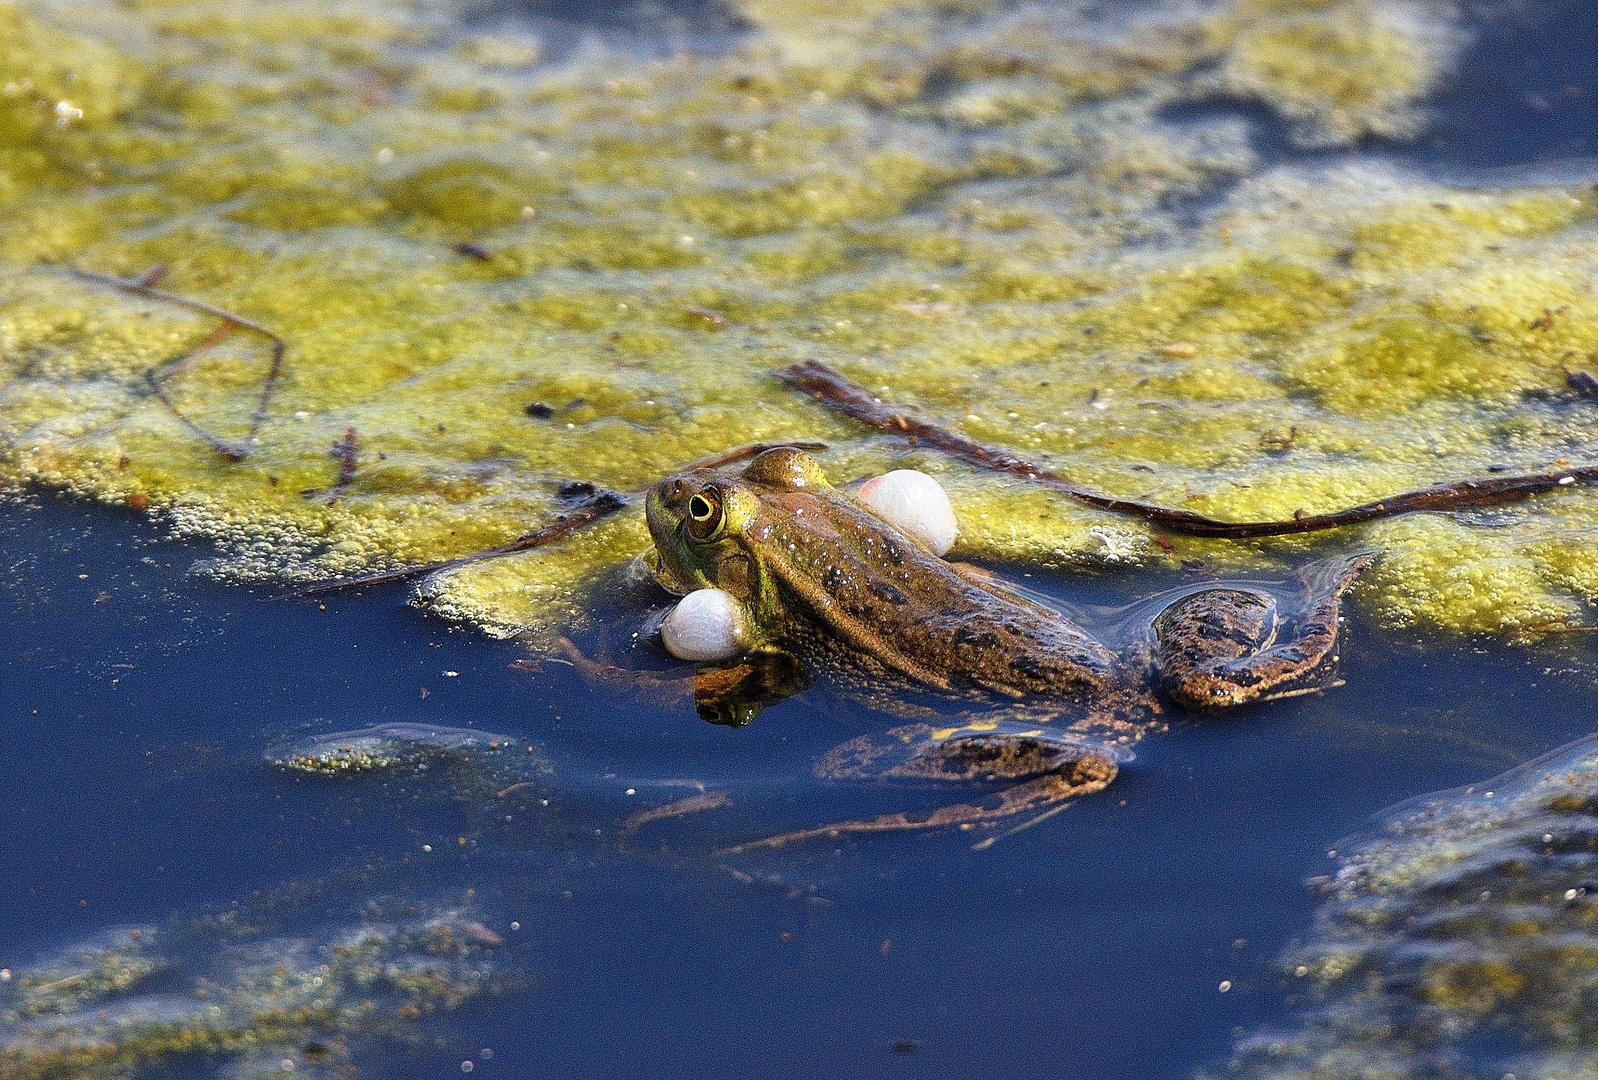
1050, 768
693, 804
731, 693
1220, 647
673, 685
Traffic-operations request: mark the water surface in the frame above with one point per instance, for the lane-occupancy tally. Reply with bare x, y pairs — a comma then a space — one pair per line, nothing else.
1091, 946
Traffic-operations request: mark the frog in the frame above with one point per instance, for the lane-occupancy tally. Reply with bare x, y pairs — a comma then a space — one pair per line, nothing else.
1047, 711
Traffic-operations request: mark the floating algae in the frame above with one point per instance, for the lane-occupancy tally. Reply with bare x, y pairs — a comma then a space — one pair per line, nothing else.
84, 975
502, 272
321, 974
393, 747
1459, 940
225, 989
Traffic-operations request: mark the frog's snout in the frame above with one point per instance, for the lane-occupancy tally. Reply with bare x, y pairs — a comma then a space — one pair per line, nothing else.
672, 492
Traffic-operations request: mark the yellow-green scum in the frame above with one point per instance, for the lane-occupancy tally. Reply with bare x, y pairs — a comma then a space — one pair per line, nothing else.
979, 207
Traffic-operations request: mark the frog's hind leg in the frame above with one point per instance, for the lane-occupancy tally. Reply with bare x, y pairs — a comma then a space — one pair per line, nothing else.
1047, 767
1225, 647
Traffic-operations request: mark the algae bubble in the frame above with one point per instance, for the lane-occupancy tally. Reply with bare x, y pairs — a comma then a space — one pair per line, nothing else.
499, 267
1457, 939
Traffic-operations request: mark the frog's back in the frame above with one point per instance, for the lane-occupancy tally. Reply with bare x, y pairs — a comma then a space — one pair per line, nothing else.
856, 584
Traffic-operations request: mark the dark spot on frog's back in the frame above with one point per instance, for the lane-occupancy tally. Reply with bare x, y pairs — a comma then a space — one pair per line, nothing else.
886, 592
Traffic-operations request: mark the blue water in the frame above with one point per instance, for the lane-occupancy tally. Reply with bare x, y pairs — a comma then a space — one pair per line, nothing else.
137, 701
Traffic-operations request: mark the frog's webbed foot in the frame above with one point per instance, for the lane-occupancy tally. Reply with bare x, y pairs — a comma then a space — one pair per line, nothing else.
672, 685
1224, 647
1049, 768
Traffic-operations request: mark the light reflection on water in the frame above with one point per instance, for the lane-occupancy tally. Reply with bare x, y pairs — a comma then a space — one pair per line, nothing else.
1091, 946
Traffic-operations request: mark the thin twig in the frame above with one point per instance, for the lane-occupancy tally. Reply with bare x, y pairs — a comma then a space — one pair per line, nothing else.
597, 505
601, 504
839, 394
345, 450
155, 377
983, 845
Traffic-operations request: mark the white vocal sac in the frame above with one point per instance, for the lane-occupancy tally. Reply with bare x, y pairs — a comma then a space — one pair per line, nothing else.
707, 624
914, 503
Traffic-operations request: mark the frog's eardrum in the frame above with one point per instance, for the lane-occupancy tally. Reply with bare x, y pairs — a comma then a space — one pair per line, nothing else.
707, 624
914, 503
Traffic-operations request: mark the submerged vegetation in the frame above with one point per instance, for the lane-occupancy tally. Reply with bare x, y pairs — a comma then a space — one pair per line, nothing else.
1457, 940
498, 269
228, 989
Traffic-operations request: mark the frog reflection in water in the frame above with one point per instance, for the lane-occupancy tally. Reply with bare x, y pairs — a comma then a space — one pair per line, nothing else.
822, 578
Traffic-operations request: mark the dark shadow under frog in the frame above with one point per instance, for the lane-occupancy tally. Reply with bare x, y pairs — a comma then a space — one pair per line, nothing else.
867, 607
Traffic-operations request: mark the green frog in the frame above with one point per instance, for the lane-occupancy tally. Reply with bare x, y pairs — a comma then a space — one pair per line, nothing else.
1049, 711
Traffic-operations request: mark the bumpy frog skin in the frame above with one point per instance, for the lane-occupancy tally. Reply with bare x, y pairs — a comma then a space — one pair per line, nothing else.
822, 578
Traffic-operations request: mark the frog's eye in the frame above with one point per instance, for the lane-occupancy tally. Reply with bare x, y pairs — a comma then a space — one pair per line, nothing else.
705, 514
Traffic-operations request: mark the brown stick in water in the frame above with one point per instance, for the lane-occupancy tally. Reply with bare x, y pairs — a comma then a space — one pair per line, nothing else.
597, 505
841, 395
156, 377
345, 450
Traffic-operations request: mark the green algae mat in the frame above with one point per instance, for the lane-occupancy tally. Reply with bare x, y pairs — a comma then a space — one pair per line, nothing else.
498, 267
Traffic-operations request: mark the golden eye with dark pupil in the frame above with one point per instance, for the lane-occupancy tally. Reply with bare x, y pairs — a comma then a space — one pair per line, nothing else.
704, 514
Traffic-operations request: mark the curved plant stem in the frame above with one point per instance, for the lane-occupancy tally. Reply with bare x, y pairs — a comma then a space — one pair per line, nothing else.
854, 401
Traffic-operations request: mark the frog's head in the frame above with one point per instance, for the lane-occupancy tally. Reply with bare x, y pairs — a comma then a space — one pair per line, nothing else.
710, 529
